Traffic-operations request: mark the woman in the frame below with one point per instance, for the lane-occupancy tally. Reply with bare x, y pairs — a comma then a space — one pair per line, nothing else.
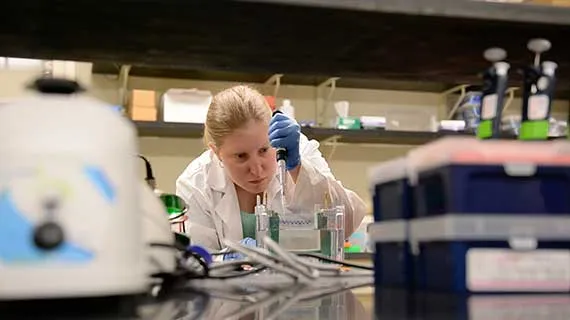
221, 186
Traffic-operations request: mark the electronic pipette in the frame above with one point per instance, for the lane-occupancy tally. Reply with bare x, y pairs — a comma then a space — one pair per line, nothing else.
539, 81
494, 85
282, 169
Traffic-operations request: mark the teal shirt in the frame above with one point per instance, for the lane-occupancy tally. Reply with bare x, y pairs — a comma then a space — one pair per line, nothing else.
248, 224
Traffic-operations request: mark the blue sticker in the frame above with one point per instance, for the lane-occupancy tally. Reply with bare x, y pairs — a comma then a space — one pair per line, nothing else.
16, 240
101, 182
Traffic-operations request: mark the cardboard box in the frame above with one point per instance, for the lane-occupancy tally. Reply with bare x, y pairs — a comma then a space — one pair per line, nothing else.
144, 113
142, 105
143, 98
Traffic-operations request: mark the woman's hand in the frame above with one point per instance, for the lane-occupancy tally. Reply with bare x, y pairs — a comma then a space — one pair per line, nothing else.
238, 256
285, 132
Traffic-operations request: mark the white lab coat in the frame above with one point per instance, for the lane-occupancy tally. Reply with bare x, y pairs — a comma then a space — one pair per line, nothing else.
213, 208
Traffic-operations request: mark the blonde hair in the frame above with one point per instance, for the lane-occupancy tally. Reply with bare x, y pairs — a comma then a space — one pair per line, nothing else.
231, 109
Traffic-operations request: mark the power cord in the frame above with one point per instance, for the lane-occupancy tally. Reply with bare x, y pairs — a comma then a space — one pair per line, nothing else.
195, 265
343, 263
186, 266
149, 176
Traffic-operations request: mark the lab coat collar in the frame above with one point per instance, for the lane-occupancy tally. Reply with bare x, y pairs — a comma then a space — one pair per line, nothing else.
226, 204
227, 209
217, 178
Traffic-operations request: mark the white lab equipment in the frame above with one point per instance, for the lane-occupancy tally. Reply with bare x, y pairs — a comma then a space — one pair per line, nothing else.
71, 201
156, 230
185, 105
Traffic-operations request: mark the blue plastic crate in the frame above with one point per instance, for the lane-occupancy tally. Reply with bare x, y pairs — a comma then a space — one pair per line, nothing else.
488, 189
392, 193
393, 261
492, 254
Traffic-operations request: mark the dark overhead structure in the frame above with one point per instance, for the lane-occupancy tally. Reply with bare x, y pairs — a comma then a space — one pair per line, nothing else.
431, 42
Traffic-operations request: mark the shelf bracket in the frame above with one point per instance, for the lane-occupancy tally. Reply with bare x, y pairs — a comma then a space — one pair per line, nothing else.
124, 72
511, 92
331, 141
462, 90
274, 80
321, 104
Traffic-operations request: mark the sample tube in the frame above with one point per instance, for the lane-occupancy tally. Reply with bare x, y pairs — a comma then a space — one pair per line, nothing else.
262, 222
339, 221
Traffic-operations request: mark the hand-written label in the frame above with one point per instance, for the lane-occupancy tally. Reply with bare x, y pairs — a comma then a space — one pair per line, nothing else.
510, 270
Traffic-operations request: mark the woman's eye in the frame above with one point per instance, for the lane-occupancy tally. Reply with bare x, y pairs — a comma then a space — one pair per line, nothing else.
264, 150
241, 156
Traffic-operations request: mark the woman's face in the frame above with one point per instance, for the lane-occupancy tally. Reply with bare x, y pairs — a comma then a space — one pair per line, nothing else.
248, 157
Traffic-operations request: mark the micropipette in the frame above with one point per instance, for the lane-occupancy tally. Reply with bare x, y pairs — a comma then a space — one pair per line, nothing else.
494, 85
539, 82
282, 170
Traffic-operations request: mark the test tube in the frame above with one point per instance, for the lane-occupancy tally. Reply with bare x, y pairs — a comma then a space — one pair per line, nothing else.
339, 220
262, 222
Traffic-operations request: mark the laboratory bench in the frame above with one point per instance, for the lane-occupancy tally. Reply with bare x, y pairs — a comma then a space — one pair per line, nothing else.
356, 304
343, 305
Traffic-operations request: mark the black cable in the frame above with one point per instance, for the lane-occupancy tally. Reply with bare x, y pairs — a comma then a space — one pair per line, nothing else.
238, 274
182, 271
149, 176
345, 264
167, 245
186, 274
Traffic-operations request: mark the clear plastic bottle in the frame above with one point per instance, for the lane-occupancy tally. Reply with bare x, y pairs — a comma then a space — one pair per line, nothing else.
288, 109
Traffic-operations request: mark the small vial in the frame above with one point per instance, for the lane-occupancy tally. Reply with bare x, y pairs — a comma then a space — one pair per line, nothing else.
262, 222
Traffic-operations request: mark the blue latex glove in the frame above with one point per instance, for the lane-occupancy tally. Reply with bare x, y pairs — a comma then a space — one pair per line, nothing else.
236, 255
285, 132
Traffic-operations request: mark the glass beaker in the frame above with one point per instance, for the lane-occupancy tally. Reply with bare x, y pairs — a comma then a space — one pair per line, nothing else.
267, 224
330, 223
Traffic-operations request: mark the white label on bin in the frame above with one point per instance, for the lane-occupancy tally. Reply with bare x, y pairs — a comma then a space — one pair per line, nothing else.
510, 270
538, 107
489, 107
530, 307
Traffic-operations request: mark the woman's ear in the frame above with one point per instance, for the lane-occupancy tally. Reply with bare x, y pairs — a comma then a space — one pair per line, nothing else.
215, 150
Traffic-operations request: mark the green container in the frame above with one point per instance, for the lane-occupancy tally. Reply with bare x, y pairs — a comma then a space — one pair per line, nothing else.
274, 225
325, 235
175, 206
350, 123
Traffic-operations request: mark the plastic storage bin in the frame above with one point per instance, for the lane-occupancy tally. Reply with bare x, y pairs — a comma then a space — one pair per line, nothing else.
464, 175
393, 261
490, 189
392, 193
491, 253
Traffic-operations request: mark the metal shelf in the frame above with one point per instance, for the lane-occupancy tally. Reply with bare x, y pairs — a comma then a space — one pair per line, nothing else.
191, 130
169, 129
